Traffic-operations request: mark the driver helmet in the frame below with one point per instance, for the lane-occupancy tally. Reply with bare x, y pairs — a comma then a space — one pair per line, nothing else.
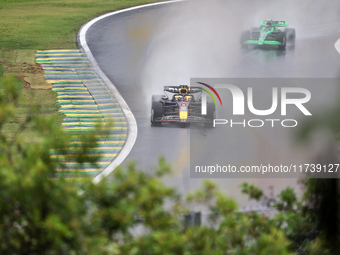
183, 91
269, 22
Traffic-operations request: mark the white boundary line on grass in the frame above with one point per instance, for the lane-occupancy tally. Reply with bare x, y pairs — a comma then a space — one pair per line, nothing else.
132, 124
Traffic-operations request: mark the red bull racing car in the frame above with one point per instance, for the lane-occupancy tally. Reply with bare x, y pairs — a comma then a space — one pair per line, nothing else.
181, 104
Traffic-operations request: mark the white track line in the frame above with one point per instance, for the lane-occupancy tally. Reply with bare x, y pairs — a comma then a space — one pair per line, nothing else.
337, 45
132, 124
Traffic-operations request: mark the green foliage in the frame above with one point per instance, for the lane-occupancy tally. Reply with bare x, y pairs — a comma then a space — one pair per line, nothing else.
28, 104
130, 213
32, 208
287, 200
320, 207
323, 208
252, 191
310, 224
9, 93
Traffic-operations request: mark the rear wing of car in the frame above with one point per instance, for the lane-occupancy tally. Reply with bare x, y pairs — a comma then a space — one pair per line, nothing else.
176, 89
275, 23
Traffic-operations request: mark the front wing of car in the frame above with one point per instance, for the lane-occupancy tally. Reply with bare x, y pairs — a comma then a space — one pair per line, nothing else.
190, 119
257, 42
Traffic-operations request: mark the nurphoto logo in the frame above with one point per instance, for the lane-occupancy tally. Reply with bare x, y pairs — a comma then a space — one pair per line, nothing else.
282, 94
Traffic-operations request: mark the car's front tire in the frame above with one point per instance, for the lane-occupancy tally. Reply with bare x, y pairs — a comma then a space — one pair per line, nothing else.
157, 110
290, 32
282, 38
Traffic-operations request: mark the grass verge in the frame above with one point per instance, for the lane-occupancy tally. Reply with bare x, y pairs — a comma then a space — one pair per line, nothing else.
46, 24
42, 102
30, 25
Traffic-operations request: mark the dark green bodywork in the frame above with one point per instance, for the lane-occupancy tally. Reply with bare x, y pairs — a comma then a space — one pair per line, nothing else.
267, 34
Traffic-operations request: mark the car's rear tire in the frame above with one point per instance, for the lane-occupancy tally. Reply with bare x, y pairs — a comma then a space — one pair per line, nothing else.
290, 32
157, 109
282, 38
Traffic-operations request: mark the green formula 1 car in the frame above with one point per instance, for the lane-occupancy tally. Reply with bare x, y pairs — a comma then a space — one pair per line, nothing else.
269, 33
